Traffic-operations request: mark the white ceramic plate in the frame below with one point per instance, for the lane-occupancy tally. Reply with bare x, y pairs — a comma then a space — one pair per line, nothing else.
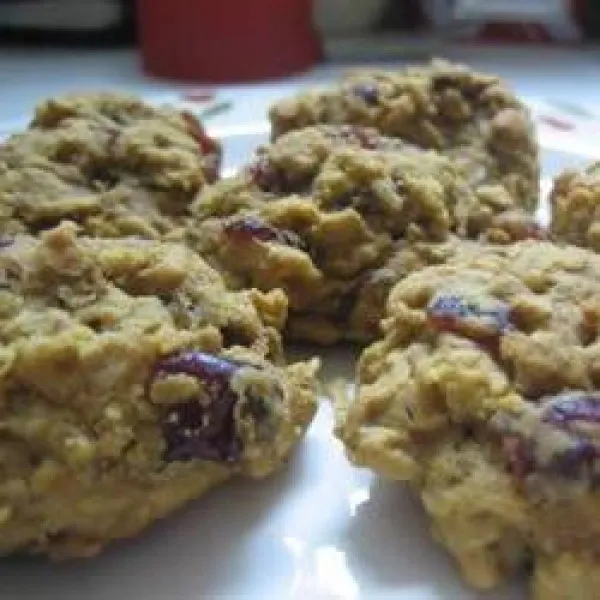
319, 530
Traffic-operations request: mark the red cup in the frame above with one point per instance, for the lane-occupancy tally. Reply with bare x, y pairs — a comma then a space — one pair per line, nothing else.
227, 40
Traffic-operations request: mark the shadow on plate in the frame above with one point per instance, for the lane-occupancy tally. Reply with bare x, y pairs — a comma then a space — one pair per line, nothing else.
194, 554
388, 552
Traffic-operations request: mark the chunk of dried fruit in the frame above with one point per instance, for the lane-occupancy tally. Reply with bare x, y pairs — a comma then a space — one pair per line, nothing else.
209, 147
202, 428
454, 314
558, 435
368, 92
249, 229
574, 406
271, 178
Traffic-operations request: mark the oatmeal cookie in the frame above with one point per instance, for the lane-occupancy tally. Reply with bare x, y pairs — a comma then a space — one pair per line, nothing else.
322, 208
411, 255
112, 163
471, 117
131, 381
575, 207
484, 394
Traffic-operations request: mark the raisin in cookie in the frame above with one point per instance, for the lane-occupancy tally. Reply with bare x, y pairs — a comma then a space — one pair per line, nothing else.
484, 394
323, 207
411, 255
131, 382
113, 164
575, 207
471, 117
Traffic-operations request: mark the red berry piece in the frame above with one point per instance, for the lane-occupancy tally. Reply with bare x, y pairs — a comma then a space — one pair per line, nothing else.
209, 147
454, 314
251, 229
518, 455
563, 442
572, 407
367, 92
248, 229
202, 428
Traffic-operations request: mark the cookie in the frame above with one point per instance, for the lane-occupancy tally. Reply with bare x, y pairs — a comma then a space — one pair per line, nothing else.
132, 381
471, 117
322, 208
483, 394
110, 162
575, 207
412, 255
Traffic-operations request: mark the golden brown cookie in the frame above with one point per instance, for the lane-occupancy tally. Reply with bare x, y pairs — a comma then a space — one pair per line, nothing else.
322, 209
110, 162
483, 394
473, 118
131, 381
575, 207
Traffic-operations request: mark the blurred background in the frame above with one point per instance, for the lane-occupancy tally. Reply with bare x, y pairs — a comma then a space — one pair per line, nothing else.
346, 29
233, 58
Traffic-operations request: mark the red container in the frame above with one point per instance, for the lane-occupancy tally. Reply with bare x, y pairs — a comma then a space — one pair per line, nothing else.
227, 40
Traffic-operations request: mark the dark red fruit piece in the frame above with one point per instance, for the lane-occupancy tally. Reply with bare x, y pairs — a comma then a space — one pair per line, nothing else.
518, 455
202, 428
523, 229
569, 462
574, 406
365, 137
574, 455
209, 148
266, 177
249, 229
368, 92
535, 232
276, 180
449, 312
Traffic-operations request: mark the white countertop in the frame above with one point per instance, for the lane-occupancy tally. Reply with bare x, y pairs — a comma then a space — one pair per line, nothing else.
26, 76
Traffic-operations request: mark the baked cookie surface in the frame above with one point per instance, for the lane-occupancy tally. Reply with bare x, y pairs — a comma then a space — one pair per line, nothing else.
484, 394
131, 381
575, 207
471, 117
110, 162
322, 208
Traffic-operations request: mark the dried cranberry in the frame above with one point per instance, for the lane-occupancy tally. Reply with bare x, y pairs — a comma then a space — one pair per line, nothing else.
265, 176
276, 180
518, 455
368, 92
208, 146
535, 232
202, 428
569, 462
574, 452
523, 229
365, 137
452, 313
249, 229
574, 406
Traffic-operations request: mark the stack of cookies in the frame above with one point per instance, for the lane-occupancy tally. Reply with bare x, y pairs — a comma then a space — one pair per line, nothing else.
145, 303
